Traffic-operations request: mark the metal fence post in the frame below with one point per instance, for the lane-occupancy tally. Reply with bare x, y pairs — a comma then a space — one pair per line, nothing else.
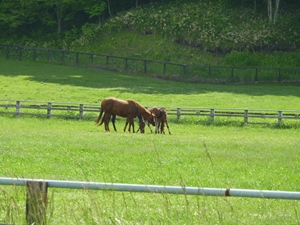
18, 109
36, 202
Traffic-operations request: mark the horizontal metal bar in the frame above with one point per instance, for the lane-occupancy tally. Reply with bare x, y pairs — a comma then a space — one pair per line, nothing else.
157, 189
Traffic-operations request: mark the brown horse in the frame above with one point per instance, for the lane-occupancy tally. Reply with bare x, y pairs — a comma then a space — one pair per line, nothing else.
161, 118
124, 108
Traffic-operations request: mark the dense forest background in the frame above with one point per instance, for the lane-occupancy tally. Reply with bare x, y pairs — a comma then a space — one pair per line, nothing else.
209, 32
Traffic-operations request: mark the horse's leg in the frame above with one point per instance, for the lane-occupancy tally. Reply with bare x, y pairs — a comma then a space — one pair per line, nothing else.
162, 127
113, 120
132, 124
168, 126
149, 126
157, 124
126, 125
106, 121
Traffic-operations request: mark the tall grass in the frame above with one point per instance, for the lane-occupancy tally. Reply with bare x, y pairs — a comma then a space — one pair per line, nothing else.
194, 155
220, 156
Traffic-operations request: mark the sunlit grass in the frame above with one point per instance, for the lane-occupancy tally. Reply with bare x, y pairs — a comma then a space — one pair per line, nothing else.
248, 157
221, 155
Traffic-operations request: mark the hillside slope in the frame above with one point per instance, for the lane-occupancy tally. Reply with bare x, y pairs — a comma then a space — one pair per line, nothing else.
197, 33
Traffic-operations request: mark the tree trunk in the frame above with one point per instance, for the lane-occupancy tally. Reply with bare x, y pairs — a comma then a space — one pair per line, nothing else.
108, 7
270, 10
272, 17
276, 11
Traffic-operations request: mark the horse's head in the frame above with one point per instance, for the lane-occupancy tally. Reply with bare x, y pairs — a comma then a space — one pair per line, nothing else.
152, 119
142, 124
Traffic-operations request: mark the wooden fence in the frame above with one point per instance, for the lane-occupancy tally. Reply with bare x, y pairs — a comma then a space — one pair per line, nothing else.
182, 72
91, 111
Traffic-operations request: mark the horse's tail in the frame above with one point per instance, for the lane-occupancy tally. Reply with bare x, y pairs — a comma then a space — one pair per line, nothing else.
99, 117
161, 112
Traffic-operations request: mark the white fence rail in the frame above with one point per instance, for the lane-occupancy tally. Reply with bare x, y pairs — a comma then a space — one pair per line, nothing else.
36, 202
88, 111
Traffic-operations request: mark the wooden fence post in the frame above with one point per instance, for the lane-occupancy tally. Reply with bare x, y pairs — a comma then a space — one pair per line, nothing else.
178, 113
7, 51
145, 66
62, 57
20, 54
48, 55
18, 109
256, 75
81, 110
106, 60
184, 70
279, 117
246, 116
34, 54
92, 58
49, 107
212, 115
126, 63
77, 58
36, 202
279, 75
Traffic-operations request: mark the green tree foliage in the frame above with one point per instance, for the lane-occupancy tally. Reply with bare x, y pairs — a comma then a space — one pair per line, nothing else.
209, 24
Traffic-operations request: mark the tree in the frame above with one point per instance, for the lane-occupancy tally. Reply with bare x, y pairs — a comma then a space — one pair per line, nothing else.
62, 9
95, 8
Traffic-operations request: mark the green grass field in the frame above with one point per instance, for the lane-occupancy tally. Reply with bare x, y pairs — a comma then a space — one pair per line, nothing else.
247, 157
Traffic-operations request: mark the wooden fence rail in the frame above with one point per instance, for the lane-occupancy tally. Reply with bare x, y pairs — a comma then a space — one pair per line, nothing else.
91, 111
184, 72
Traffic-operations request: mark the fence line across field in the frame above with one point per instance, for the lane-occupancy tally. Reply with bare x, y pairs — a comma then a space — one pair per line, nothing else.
201, 73
89, 111
36, 192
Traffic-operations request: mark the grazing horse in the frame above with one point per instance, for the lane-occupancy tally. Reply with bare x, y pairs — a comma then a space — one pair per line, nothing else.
161, 118
124, 108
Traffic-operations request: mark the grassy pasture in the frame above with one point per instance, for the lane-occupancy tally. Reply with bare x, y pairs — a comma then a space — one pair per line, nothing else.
249, 156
